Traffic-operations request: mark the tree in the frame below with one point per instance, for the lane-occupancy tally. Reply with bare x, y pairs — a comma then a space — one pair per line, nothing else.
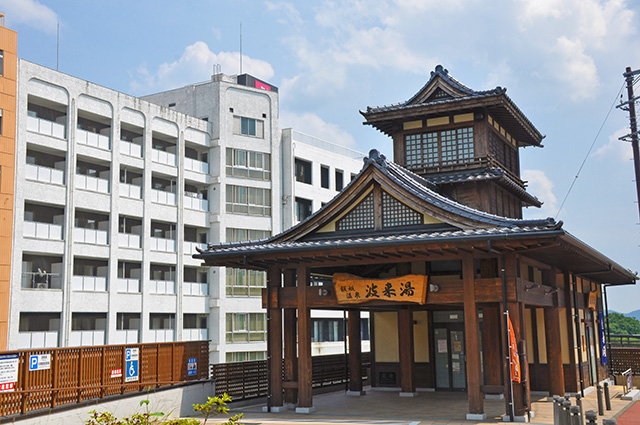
621, 324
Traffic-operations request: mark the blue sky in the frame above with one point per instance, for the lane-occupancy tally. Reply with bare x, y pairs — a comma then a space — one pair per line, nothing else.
561, 61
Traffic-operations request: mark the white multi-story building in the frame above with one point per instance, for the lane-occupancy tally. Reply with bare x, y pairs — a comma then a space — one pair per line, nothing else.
113, 194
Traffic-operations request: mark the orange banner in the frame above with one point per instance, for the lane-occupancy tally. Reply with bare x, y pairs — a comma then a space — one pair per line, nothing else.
513, 353
352, 289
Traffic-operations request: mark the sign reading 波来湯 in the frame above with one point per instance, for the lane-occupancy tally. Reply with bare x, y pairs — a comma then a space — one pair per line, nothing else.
352, 289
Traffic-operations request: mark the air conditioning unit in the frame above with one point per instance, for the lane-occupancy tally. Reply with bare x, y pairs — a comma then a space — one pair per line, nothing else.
42, 285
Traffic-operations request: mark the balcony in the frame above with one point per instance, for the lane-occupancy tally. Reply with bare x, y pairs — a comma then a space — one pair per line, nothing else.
130, 191
129, 336
90, 138
131, 149
37, 230
41, 280
162, 197
85, 338
161, 335
196, 165
190, 247
163, 157
164, 245
195, 334
195, 288
162, 287
92, 236
128, 285
128, 240
95, 184
194, 201
89, 283
46, 127
28, 340
44, 174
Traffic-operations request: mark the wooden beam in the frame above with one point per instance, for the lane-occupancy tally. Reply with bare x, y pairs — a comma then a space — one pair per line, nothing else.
472, 340
554, 351
492, 342
305, 379
355, 352
405, 341
275, 342
290, 341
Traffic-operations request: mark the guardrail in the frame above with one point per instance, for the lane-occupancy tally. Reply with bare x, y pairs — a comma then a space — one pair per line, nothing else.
47, 378
243, 380
624, 340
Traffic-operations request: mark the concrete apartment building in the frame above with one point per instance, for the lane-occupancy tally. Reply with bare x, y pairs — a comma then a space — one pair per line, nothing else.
113, 194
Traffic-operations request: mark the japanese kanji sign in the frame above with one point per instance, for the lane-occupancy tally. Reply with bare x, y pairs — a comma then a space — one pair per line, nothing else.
352, 289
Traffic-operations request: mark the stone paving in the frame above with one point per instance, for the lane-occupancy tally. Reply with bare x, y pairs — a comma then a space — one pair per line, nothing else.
427, 408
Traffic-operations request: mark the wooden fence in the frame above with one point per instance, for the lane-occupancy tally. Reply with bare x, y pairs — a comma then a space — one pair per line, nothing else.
624, 340
623, 358
245, 380
82, 373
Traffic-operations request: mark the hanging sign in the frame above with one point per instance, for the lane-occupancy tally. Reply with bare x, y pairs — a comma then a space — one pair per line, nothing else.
593, 299
352, 289
8, 372
603, 340
513, 353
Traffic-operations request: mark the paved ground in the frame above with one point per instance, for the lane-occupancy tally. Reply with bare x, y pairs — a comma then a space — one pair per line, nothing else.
428, 408
631, 416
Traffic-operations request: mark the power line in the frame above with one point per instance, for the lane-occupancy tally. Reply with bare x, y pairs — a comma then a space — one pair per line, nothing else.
590, 149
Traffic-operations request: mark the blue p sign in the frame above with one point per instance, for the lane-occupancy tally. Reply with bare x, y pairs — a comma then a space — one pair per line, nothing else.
33, 363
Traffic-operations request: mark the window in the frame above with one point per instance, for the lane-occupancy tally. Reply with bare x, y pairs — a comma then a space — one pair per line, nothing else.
324, 176
1, 62
246, 356
332, 330
128, 321
162, 321
249, 164
89, 321
172, 105
245, 283
248, 200
39, 322
303, 171
248, 126
446, 147
195, 321
303, 208
339, 181
246, 327
239, 235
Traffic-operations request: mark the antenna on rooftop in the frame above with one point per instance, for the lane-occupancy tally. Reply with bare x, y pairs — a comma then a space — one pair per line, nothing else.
58, 48
217, 68
240, 48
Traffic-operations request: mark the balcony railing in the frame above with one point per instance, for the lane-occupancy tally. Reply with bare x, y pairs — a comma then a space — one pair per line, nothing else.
128, 240
89, 283
195, 288
195, 203
128, 285
195, 334
93, 236
33, 229
92, 183
161, 244
162, 287
129, 336
195, 165
44, 174
41, 280
162, 197
131, 149
78, 338
46, 127
130, 191
190, 247
96, 140
161, 335
37, 340
163, 157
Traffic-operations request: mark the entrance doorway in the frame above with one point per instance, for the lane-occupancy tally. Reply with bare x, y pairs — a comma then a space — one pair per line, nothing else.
450, 359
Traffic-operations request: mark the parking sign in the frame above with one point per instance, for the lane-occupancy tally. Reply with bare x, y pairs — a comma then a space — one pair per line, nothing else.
131, 364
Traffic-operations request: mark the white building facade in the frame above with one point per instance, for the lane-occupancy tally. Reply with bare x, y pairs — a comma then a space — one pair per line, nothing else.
114, 194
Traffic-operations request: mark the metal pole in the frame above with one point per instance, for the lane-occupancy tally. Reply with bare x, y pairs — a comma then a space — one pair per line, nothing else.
629, 76
606, 306
506, 331
346, 355
600, 403
607, 396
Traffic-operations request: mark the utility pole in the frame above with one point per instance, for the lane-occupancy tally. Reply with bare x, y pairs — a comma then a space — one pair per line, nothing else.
630, 105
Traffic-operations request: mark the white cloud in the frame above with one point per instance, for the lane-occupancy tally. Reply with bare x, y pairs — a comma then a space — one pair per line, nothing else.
576, 69
196, 64
616, 147
29, 12
315, 126
540, 186
285, 11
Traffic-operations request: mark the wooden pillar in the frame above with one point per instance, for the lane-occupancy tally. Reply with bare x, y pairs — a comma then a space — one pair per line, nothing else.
554, 351
491, 344
472, 340
355, 354
405, 340
290, 341
305, 394
275, 342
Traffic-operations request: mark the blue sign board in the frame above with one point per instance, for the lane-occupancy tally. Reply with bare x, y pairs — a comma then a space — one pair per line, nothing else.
603, 340
131, 358
192, 366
